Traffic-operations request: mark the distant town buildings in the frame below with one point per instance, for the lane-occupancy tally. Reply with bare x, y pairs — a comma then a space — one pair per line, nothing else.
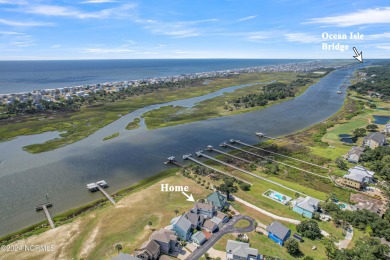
36, 97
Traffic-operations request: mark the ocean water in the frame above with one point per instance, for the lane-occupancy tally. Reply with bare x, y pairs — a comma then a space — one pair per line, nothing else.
22, 76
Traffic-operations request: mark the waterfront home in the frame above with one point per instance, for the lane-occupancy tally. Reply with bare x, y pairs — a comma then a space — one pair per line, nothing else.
218, 200
374, 140
149, 250
357, 177
240, 251
122, 256
210, 226
353, 155
167, 241
278, 233
195, 219
182, 227
222, 216
207, 210
198, 238
306, 206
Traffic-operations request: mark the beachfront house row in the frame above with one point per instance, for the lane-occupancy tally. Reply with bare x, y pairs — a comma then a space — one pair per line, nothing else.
374, 140
207, 210
306, 206
278, 233
195, 219
149, 250
240, 251
198, 238
210, 226
357, 177
218, 200
167, 241
182, 227
354, 154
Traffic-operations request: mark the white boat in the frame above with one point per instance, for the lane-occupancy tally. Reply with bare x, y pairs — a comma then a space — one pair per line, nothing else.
260, 134
102, 184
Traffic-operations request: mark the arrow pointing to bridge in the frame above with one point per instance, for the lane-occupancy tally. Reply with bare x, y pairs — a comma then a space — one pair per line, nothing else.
189, 198
359, 56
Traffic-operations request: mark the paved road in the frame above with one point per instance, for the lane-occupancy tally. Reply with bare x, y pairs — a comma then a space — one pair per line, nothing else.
226, 229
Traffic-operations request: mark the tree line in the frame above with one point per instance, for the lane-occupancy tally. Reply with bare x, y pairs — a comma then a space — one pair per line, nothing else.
270, 92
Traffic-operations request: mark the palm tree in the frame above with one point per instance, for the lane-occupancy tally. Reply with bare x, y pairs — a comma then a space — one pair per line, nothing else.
118, 247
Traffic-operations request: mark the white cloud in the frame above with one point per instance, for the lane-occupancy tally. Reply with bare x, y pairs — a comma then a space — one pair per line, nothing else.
383, 47
65, 11
23, 24
246, 18
180, 29
56, 46
13, 2
367, 16
98, 1
107, 51
377, 36
10, 33
23, 43
302, 38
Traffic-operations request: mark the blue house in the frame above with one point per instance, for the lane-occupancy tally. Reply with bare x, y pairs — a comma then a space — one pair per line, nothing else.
306, 206
278, 233
182, 227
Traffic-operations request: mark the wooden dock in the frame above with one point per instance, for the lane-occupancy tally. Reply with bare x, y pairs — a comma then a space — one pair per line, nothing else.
188, 157
279, 154
106, 194
44, 208
48, 216
272, 160
210, 148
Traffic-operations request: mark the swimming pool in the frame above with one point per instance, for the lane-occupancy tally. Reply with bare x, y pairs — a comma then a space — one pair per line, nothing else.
281, 198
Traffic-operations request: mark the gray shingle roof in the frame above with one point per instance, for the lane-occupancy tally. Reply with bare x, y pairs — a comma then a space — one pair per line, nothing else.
377, 137
308, 203
163, 235
199, 235
240, 249
278, 229
183, 223
209, 225
194, 218
358, 173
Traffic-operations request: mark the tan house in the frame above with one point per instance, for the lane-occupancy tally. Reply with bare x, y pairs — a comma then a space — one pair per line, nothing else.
357, 177
149, 250
167, 241
374, 140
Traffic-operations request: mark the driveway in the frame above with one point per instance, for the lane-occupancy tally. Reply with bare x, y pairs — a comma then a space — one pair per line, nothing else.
226, 229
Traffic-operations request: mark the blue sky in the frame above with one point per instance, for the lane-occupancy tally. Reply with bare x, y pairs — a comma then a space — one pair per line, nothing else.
101, 29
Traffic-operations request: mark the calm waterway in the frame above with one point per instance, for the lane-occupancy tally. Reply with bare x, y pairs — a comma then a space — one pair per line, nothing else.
137, 154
